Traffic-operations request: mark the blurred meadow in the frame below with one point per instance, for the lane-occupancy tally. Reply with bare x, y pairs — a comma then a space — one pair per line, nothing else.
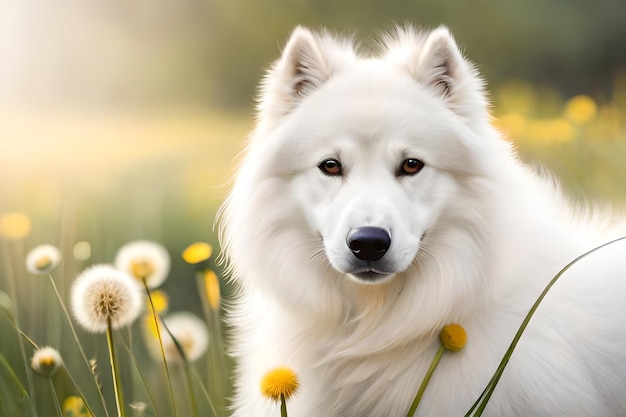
120, 121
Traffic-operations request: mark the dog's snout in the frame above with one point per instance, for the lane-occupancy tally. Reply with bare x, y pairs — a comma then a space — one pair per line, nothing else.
368, 243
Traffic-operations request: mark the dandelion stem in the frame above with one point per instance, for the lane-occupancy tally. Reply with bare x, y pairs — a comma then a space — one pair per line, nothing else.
422, 388
55, 397
117, 382
157, 325
204, 391
142, 377
80, 346
283, 405
187, 372
484, 397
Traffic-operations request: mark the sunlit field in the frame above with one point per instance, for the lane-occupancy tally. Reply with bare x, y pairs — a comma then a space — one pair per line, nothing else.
89, 182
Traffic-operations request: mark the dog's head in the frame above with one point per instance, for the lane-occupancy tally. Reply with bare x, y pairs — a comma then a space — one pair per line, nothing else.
358, 163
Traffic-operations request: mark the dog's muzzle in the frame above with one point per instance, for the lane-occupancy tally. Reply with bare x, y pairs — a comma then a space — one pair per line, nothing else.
368, 243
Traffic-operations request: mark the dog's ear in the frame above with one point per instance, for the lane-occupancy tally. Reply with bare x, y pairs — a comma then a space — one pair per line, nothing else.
439, 64
303, 64
307, 62
435, 61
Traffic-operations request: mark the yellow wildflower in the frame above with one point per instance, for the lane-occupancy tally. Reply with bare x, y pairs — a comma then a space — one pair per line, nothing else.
581, 109
197, 252
453, 337
279, 383
212, 289
74, 406
14, 226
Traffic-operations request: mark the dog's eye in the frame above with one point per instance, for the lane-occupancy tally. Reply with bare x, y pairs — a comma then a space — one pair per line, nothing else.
410, 166
331, 167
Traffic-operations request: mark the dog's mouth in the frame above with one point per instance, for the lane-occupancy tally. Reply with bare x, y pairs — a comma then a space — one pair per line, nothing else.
371, 275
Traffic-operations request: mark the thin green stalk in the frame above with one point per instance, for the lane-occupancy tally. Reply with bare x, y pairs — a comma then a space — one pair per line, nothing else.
186, 369
23, 390
117, 382
216, 364
283, 405
158, 330
80, 346
55, 397
484, 397
80, 392
141, 376
204, 391
422, 388
13, 292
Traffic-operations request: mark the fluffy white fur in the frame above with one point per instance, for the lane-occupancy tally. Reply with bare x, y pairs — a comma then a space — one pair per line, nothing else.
475, 236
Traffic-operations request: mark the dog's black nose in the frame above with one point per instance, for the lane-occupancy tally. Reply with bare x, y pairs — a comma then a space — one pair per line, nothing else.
368, 243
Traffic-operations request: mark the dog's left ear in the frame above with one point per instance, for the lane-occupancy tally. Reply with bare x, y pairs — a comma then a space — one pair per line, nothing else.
435, 61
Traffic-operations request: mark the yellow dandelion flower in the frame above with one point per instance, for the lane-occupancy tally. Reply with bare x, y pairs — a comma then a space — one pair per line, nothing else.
453, 337
212, 289
197, 252
160, 301
46, 361
581, 109
14, 226
150, 326
279, 383
74, 406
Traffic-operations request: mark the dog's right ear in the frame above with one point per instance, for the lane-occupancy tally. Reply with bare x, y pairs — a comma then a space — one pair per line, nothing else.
307, 62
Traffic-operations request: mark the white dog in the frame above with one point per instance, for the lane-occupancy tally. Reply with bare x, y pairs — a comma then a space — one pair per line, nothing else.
376, 204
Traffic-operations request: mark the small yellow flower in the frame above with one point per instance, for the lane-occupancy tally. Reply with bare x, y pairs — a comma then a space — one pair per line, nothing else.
197, 252
160, 301
212, 289
14, 226
581, 109
74, 406
453, 337
279, 382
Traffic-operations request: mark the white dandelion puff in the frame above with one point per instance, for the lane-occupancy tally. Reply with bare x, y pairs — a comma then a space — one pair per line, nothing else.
189, 331
43, 259
144, 260
103, 294
46, 361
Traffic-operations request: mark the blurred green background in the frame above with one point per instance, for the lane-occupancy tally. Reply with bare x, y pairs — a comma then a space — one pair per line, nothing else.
120, 119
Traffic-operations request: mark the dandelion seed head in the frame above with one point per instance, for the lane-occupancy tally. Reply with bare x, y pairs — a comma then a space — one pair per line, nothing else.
43, 259
103, 293
278, 382
188, 329
46, 361
144, 260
